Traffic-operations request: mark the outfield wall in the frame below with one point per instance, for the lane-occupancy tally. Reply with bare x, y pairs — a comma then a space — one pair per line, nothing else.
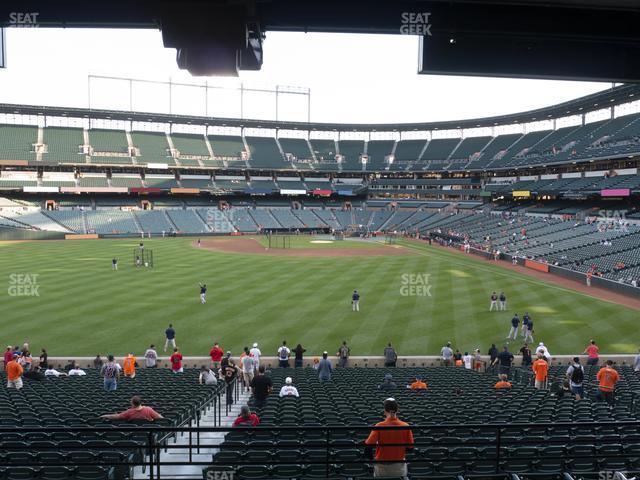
354, 361
10, 233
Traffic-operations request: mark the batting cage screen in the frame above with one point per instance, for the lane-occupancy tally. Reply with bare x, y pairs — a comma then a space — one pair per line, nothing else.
142, 257
279, 241
390, 238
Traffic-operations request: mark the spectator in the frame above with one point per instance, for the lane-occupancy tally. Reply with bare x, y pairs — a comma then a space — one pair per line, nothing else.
387, 383
229, 373
468, 361
593, 353
136, 412
151, 357
541, 370
207, 377
52, 372
110, 372
97, 362
418, 384
44, 359
261, 387
288, 390
284, 352
299, 356
505, 359
70, 364
477, 360
493, 353
248, 367
344, 352
76, 371
401, 439
457, 358
170, 337
575, 374
256, 354
216, 355
544, 350
25, 360
14, 373
176, 361
390, 356
34, 374
325, 368
607, 379
447, 354
246, 418
525, 351
8, 356
129, 366
502, 382
636, 362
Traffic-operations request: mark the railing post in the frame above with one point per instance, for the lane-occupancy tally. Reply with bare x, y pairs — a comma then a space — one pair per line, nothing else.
151, 453
498, 442
328, 455
198, 430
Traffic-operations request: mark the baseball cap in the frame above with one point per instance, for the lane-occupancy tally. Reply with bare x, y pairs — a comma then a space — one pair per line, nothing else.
255, 345
288, 381
325, 353
388, 376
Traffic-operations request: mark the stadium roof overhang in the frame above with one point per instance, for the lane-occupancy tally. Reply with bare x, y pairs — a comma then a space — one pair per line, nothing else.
597, 101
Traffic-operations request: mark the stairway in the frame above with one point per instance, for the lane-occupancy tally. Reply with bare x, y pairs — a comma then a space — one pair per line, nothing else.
210, 439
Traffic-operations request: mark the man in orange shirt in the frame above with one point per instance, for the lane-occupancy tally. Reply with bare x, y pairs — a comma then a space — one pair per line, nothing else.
401, 438
418, 384
129, 366
14, 373
502, 383
541, 368
607, 379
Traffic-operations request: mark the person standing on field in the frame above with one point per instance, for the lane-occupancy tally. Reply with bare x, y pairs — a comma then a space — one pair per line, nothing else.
114, 264
515, 321
503, 301
170, 335
343, 355
494, 302
355, 301
203, 293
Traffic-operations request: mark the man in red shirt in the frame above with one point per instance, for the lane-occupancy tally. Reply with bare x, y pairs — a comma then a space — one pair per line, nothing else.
216, 355
8, 356
402, 438
136, 412
246, 418
592, 351
176, 361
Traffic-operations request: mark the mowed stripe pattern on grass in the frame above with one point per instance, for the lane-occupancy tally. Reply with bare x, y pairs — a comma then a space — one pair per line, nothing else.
85, 308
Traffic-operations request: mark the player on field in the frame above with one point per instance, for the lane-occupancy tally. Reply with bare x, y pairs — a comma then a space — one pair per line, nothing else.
114, 264
525, 322
355, 301
203, 293
529, 333
494, 302
515, 322
170, 335
503, 301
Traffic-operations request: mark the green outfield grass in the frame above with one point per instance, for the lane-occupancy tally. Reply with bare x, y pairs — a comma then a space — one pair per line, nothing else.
85, 308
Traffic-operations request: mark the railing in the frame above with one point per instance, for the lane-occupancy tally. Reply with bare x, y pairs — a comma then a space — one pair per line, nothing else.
446, 450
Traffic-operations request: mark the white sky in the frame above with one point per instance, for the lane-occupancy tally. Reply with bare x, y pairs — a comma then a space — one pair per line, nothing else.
353, 78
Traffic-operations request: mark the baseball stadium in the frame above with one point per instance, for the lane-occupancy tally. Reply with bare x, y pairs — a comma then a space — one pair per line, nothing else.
269, 298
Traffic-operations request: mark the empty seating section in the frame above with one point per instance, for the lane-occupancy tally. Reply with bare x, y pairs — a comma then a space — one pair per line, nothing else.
191, 149
111, 222
345, 218
70, 219
325, 152
517, 152
378, 151
468, 148
298, 148
216, 221
264, 219
151, 147
78, 402
154, 221
125, 181
328, 218
435, 156
109, 147
63, 145
17, 142
12, 182
203, 183
496, 147
379, 218
286, 218
228, 149
309, 219
351, 151
34, 219
291, 183
165, 182
265, 153
263, 185
242, 219
231, 184
407, 152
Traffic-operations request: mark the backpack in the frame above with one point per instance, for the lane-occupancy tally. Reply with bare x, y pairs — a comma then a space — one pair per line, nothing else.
577, 376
